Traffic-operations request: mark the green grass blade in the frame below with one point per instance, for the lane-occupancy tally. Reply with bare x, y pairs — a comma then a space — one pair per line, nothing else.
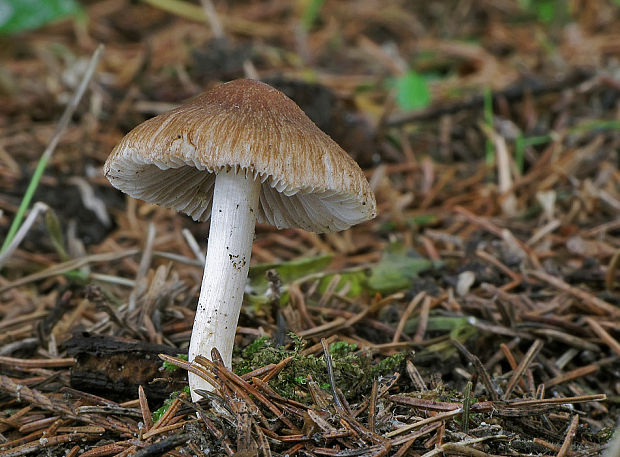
488, 120
25, 204
47, 154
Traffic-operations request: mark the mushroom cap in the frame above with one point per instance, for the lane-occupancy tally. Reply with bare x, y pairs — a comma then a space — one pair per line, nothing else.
308, 181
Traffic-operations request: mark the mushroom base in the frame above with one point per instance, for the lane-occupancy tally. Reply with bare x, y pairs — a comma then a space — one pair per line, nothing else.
233, 218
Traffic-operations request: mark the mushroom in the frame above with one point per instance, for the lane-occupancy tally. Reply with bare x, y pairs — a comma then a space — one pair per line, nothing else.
239, 153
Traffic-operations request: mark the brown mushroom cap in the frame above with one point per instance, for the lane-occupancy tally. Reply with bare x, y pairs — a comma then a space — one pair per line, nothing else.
308, 181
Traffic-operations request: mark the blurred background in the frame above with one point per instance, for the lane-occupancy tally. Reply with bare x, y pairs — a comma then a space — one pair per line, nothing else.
391, 81
489, 131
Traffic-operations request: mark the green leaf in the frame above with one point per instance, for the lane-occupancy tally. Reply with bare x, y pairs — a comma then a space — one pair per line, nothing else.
355, 279
19, 15
397, 269
55, 231
288, 271
488, 120
412, 91
311, 13
546, 12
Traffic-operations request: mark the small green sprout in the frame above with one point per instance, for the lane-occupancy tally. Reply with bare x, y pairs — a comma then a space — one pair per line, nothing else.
158, 413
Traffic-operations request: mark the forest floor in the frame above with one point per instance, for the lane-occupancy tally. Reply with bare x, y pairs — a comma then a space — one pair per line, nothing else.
477, 314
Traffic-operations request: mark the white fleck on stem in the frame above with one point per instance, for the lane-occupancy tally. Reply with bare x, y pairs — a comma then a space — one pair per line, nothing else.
233, 218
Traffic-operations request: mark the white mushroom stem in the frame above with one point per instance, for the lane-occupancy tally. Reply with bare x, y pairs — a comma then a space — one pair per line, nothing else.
233, 218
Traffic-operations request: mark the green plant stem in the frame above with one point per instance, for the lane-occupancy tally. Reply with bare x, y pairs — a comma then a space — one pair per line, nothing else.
467, 400
25, 204
521, 143
47, 154
520, 153
311, 13
488, 120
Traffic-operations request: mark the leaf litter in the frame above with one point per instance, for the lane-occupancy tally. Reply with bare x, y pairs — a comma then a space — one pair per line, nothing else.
477, 315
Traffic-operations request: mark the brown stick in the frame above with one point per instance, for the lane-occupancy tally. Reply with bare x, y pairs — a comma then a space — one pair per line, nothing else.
594, 304
602, 333
570, 434
144, 407
525, 362
37, 363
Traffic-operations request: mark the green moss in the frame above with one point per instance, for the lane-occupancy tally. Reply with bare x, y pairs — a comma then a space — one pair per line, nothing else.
156, 415
257, 346
353, 370
342, 348
602, 436
388, 365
